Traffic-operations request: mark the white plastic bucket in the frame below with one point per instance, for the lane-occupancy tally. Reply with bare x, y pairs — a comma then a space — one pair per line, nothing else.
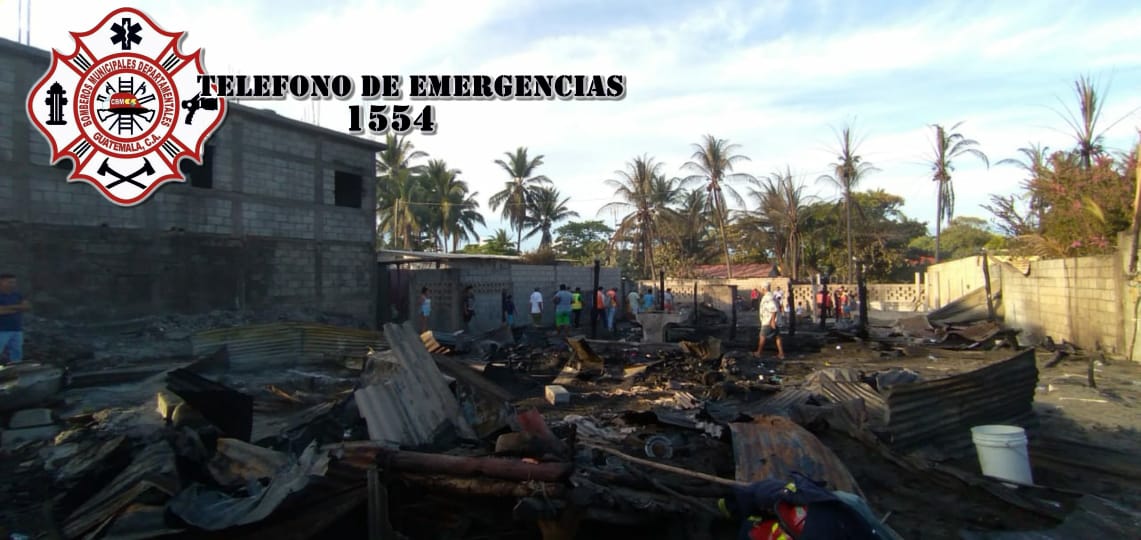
1003, 453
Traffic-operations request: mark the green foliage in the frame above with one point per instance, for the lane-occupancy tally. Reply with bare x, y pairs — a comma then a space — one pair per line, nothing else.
881, 236
1077, 210
964, 237
543, 255
583, 241
498, 244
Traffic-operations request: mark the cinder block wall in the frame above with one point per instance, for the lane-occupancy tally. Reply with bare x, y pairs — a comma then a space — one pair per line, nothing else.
948, 281
1075, 299
267, 233
1083, 300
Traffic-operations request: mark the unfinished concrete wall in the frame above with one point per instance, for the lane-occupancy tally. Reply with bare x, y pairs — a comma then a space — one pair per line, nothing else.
1088, 301
489, 279
526, 277
1076, 299
715, 291
266, 233
948, 281
886, 295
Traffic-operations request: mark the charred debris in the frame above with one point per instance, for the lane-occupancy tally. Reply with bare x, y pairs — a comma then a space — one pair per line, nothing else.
300, 430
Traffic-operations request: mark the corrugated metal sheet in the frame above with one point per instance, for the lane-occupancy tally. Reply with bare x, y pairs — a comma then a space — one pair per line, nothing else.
286, 343
780, 403
773, 447
841, 391
941, 412
413, 402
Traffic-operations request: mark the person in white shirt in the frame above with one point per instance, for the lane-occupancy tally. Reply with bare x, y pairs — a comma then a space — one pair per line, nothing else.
768, 320
537, 307
668, 299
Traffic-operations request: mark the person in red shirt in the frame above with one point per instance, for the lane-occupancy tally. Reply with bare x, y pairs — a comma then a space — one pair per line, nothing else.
611, 307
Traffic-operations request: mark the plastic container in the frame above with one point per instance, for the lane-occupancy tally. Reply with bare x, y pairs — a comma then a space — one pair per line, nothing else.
1003, 453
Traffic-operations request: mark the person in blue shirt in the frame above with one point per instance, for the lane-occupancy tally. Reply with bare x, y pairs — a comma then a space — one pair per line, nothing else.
648, 299
12, 308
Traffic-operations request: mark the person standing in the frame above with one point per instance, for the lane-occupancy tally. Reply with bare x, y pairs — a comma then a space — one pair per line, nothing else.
576, 307
509, 310
12, 308
668, 300
563, 300
469, 306
425, 309
648, 299
755, 299
537, 307
598, 310
768, 320
778, 297
633, 302
611, 308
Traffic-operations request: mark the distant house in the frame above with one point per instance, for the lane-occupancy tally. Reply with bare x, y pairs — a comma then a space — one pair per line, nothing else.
740, 271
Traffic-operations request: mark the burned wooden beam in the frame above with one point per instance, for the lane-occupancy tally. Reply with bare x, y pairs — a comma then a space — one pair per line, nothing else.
229, 410
482, 487
362, 454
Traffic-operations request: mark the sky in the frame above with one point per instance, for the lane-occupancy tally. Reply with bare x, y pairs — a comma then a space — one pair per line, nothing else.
776, 77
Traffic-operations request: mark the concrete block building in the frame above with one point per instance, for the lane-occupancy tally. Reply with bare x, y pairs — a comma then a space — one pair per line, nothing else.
404, 273
282, 213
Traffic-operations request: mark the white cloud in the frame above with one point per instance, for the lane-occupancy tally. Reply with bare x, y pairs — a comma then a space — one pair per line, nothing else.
1000, 68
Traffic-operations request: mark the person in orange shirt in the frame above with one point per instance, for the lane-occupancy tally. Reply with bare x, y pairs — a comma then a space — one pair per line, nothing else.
598, 312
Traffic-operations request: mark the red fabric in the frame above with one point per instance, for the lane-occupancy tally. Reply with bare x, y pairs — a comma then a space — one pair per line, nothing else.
770, 529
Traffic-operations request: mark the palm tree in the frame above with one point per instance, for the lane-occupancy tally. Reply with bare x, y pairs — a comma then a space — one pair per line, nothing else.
545, 211
641, 191
443, 191
453, 211
397, 200
689, 224
397, 188
781, 200
1084, 124
501, 243
948, 145
517, 191
467, 217
1035, 161
847, 172
712, 162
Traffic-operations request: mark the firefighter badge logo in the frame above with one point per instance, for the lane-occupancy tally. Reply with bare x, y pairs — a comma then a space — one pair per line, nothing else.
125, 107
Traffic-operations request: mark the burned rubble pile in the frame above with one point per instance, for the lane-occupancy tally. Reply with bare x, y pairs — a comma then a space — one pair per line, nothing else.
302, 430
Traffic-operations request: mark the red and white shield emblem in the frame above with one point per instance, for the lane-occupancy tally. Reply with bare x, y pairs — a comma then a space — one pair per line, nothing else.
125, 107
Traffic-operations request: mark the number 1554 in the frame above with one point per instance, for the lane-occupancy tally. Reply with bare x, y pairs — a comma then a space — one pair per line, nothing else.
399, 119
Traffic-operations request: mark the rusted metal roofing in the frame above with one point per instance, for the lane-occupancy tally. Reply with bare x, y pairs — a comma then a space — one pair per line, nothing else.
254, 346
841, 391
780, 403
941, 412
413, 403
774, 447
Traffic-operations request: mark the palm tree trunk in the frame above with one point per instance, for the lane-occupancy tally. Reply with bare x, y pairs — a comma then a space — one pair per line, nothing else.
938, 221
719, 202
848, 210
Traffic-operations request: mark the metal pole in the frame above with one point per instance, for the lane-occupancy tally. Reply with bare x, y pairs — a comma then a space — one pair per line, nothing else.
695, 302
862, 293
791, 310
662, 290
597, 309
986, 283
733, 321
